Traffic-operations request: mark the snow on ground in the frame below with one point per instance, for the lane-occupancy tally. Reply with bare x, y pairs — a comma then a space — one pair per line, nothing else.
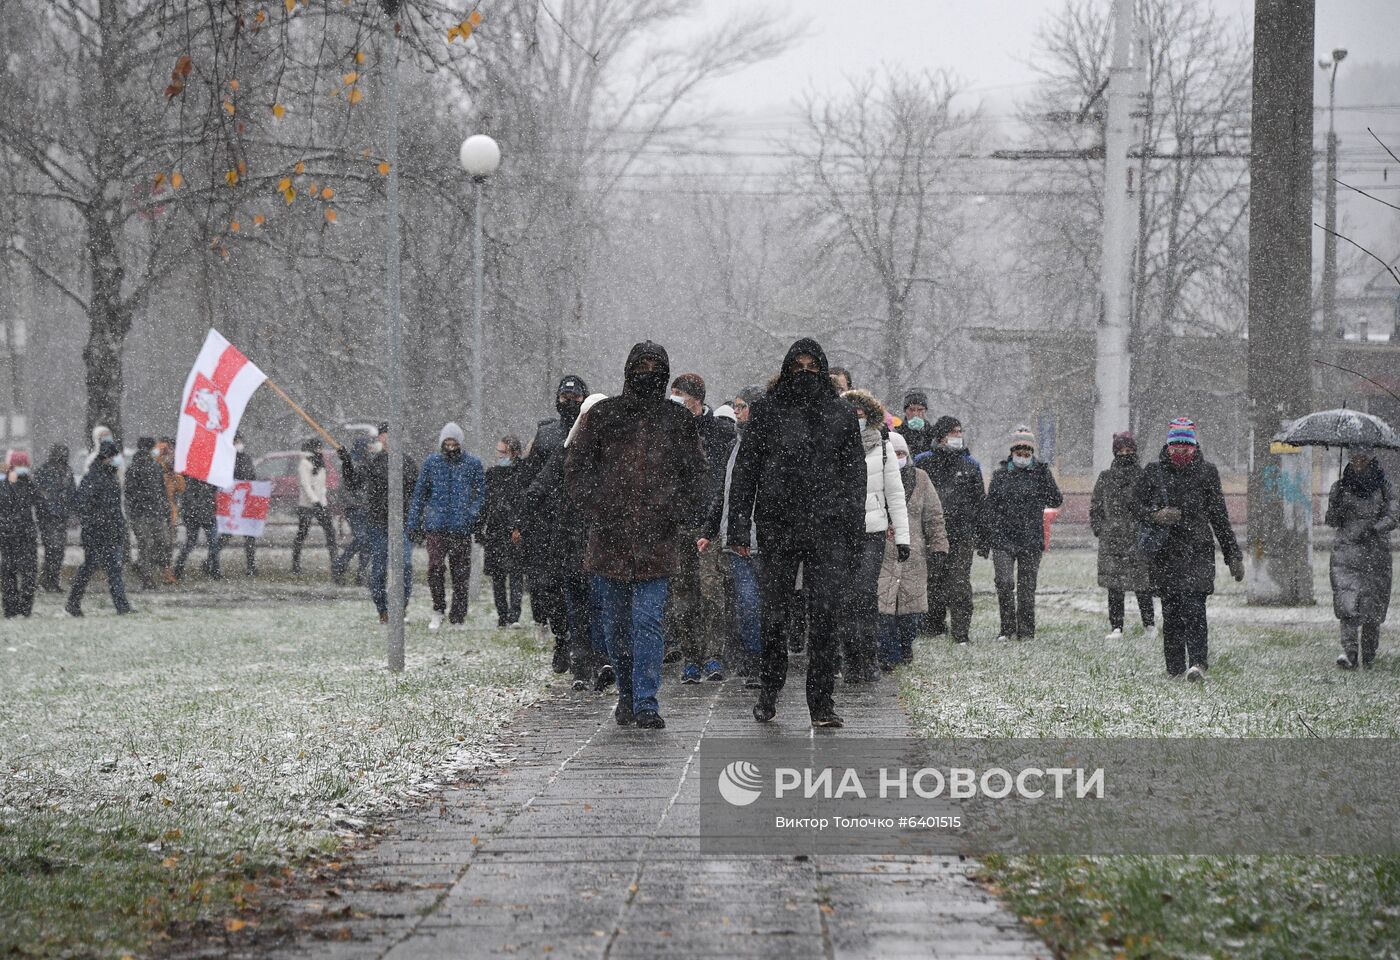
257, 716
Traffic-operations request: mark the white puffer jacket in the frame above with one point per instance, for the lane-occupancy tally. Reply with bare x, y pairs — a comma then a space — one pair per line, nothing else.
884, 493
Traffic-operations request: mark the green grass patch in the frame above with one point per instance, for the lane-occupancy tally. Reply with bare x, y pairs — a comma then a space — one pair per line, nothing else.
1272, 675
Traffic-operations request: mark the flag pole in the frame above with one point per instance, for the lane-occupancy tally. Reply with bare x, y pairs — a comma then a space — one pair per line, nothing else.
304, 415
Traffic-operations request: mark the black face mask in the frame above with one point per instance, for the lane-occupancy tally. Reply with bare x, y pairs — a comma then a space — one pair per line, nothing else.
808, 384
651, 384
568, 410
453, 454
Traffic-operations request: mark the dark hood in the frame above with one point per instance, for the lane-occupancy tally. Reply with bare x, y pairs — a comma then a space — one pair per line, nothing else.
58, 453
809, 346
654, 385
788, 389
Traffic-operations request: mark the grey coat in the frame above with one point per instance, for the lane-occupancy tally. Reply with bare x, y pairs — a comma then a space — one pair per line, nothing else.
1361, 563
904, 586
1114, 522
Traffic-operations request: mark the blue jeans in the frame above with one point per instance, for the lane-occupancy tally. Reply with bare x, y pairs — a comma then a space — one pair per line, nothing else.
897, 636
109, 557
359, 542
631, 614
378, 538
747, 606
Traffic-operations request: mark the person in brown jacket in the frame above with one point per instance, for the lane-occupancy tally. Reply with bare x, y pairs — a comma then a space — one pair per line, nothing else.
636, 471
904, 584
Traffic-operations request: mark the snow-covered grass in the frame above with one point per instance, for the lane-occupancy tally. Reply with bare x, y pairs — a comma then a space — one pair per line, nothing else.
153, 766
1272, 675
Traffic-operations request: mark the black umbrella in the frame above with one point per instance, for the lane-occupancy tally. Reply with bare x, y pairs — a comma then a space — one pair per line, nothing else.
1340, 428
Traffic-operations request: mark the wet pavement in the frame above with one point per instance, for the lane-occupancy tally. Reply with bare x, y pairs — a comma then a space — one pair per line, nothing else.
587, 846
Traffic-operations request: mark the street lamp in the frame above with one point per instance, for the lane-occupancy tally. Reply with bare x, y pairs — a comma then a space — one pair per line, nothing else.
1329, 241
480, 156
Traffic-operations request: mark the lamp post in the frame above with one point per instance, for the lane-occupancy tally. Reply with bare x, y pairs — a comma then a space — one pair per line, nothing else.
395, 585
1329, 241
480, 156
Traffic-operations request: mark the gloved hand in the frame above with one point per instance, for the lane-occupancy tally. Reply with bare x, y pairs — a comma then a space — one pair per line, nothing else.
1237, 568
344, 455
903, 550
1167, 516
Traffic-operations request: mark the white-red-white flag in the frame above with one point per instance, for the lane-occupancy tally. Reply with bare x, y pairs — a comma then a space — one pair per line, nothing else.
216, 393
242, 509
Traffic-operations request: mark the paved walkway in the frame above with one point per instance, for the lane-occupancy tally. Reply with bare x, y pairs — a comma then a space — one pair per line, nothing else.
586, 847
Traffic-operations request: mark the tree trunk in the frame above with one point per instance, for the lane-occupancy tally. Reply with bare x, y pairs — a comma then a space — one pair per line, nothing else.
109, 322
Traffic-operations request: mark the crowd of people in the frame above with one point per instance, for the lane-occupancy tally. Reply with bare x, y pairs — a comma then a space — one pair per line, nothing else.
797, 516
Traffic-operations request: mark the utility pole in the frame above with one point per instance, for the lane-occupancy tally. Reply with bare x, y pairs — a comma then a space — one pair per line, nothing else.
398, 433
1280, 294
1331, 333
1112, 357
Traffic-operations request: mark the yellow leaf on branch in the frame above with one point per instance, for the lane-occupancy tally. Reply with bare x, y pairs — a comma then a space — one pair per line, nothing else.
228, 107
279, 111
300, 168
330, 215
327, 193
289, 195
259, 219
475, 18
383, 168
235, 226
284, 184
350, 77
176, 180
360, 57
160, 179
233, 85
355, 95
291, 5
231, 177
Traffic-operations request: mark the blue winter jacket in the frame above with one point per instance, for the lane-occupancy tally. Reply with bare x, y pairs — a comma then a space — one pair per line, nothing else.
448, 496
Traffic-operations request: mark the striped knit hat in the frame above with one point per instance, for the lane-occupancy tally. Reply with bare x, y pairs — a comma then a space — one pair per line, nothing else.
1182, 430
1022, 437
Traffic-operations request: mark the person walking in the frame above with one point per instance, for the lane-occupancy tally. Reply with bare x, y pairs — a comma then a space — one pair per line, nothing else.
371, 478
1013, 531
1362, 508
886, 519
958, 479
353, 502
174, 492
313, 501
199, 506
800, 477
244, 469
1181, 500
19, 537
916, 430
1113, 519
636, 470
58, 499
495, 529
103, 529
904, 580
548, 607
148, 512
696, 607
447, 499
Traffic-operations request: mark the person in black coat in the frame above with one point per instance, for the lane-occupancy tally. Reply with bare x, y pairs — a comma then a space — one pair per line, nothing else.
199, 508
243, 469
148, 511
1013, 530
58, 499
800, 476
958, 479
352, 501
19, 538
535, 521
370, 480
916, 430
103, 529
495, 527
1180, 499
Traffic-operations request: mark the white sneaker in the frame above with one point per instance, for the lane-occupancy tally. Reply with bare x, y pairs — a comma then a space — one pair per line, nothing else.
542, 634
1149, 632
1196, 674
435, 622
1003, 638
1114, 634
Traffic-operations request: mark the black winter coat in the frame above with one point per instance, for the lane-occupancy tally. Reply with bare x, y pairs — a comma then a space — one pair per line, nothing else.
371, 481
1186, 562
497, 519
57, 490
19, 502
717, 437
567, 546
243, 467
100, 508
800, 473
199, 505
1013, 515
535, 519
918, 440
958, 479
145, 489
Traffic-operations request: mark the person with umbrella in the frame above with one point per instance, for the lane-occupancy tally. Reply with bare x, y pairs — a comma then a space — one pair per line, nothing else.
1361, 506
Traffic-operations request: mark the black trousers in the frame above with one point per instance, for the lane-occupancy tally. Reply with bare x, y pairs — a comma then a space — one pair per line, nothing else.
305, 517
1115, 608
826, 565
450, 551
950, 590
212, 542
1016, 575
54, 535
507, 587
19, 568
860, 615
1184, 631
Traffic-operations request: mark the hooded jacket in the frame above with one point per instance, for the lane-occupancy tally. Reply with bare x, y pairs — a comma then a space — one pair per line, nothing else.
18, 503
958, 479
636, 471
58, 491
450, 490
1113, 518
100, 507
536, 518
904, 585
145, 488
1186, 561
885, 505
1362, 507
800, 473
1013, 515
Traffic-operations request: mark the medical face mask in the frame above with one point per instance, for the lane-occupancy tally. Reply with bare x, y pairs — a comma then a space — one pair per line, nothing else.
118, 462
238, 448
861, 421
954, 443
1022, 460
916, 423
21, 471
376, 447
903, 461
678, 399
504, 462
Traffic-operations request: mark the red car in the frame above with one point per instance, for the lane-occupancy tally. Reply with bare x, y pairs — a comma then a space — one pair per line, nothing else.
280, 467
